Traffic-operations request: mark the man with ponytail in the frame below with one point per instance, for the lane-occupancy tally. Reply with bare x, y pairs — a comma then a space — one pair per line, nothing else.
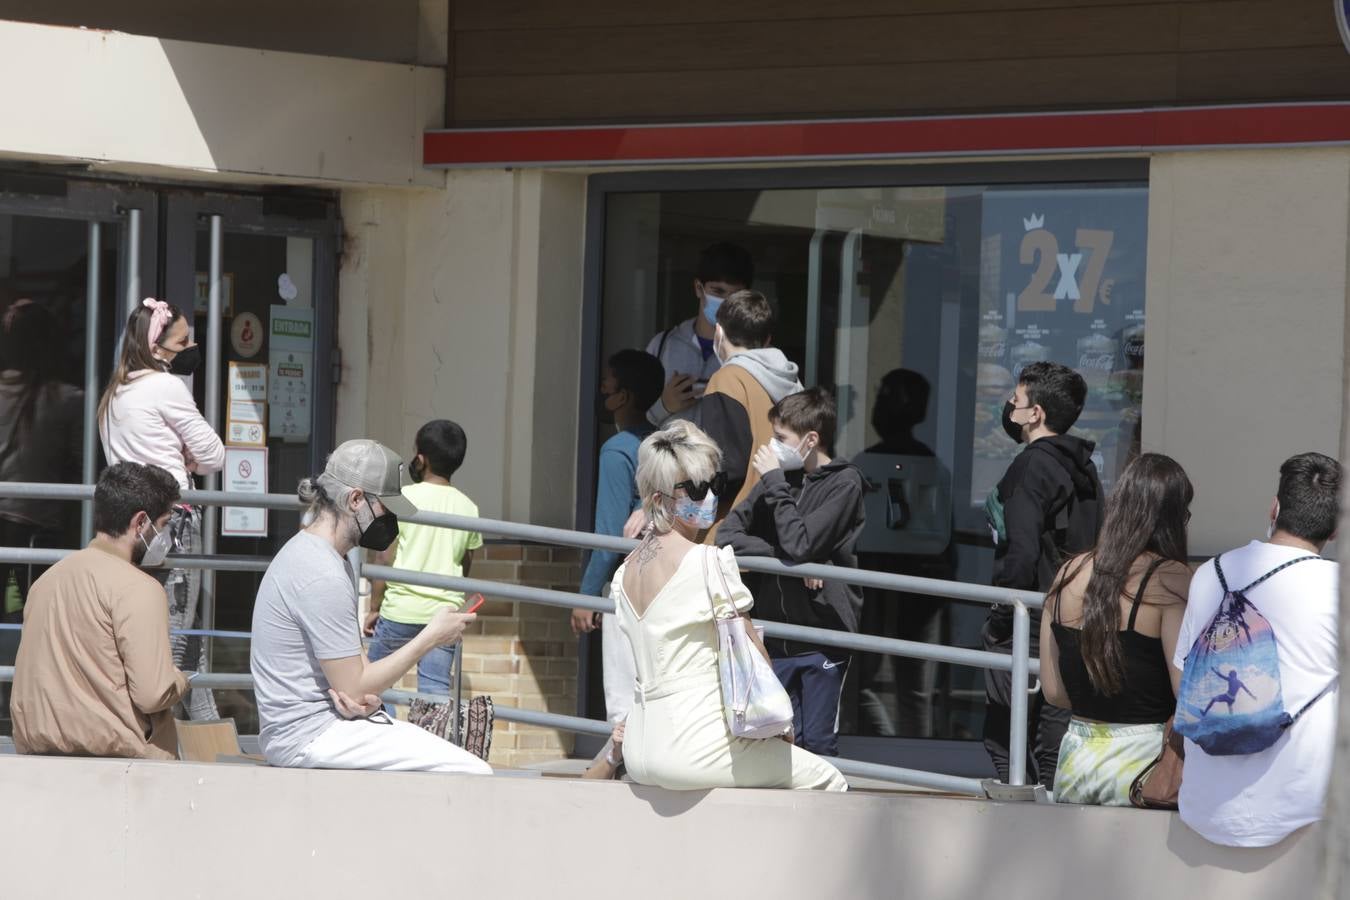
318, 697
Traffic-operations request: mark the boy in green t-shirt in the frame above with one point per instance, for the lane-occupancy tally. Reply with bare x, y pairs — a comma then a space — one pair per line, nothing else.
399, 611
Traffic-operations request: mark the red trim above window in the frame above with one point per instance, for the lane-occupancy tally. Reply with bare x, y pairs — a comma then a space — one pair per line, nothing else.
1040, 133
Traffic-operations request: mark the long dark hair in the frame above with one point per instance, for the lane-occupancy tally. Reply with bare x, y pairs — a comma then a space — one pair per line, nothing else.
28, 346
1146, 513
137, 353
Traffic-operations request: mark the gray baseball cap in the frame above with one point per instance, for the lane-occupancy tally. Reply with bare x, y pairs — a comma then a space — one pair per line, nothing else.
374, 469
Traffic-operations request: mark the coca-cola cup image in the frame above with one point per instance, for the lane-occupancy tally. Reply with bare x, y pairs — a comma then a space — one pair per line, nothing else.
1026, 353
1096, 359
993, 343
1132, 342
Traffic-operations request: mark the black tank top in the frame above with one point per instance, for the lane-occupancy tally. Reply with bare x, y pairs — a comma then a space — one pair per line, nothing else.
1146, 694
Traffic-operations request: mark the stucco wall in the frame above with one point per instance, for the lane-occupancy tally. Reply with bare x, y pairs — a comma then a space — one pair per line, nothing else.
465, 304
1246, 324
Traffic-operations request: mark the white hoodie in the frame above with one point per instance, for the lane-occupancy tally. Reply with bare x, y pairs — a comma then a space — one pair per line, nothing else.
154, 421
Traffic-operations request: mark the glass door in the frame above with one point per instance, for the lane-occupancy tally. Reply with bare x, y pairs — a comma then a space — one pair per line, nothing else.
69, 253
266, 380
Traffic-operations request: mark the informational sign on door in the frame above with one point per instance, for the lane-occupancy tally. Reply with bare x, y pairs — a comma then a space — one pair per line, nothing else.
246, 414
290, 372
245, 472
246, 335
292, 329
201, 304
291, 382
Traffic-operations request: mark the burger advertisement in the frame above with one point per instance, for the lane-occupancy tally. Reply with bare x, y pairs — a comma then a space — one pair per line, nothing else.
1061, 279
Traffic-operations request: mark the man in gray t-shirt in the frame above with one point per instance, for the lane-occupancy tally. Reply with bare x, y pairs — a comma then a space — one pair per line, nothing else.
318, 697
305, 613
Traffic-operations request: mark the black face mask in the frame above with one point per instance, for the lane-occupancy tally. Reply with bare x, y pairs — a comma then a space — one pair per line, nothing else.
417, 468
1012, 428
187, 361
381, 532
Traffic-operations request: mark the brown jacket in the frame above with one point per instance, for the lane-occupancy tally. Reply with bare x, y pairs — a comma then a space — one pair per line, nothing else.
94, 675
734, 411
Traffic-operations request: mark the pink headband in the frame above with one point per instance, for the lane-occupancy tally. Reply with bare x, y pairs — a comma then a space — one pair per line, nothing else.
160, 317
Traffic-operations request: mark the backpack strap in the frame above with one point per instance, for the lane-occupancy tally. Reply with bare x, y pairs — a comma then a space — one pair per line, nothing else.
1218, 570
661, 347
1139, 594
1274, 571
1320, 694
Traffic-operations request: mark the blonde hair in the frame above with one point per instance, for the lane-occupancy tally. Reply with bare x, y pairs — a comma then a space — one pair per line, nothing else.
679, 452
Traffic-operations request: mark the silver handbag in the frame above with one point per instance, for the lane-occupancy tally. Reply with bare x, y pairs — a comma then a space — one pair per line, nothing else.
753, 698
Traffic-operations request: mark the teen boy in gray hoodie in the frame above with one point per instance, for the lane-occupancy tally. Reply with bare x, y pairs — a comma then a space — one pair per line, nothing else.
734, 410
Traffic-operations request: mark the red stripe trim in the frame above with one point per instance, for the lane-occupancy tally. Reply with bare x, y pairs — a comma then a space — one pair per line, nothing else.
1085, 132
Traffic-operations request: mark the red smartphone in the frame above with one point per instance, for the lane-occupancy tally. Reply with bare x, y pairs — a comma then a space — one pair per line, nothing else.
475, 601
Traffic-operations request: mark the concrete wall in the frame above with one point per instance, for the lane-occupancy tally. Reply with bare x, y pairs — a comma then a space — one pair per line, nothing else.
121, 829
1246, 324
173, 108
465, 304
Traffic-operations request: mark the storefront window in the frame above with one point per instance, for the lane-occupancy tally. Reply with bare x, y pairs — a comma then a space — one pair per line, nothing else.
917, 306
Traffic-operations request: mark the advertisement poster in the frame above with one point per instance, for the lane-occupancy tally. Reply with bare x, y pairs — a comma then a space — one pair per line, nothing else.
1061, 279
245, 472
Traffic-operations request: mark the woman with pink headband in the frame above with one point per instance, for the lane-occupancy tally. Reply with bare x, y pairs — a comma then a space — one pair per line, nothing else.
147, 415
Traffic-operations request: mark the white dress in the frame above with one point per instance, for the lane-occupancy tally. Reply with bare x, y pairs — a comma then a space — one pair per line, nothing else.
677, 736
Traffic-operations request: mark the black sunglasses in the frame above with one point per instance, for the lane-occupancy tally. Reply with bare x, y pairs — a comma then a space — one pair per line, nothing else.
697, 490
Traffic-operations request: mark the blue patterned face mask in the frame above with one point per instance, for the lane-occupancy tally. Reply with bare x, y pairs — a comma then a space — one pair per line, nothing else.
698, 514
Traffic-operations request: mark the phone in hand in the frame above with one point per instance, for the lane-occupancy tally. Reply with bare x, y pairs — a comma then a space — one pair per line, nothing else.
474, 603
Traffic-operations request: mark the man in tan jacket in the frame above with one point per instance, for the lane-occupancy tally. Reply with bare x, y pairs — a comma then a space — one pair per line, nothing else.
94, 675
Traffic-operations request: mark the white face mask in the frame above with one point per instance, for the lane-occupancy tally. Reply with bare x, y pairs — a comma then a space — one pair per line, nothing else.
790, 459
1270, 529
719, 338
156, 549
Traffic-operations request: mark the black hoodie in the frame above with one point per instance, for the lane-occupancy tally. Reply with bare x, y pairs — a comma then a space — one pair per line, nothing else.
1047, 507
801, 517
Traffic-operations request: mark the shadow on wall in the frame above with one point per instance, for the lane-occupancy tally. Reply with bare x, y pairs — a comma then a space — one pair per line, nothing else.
322, 118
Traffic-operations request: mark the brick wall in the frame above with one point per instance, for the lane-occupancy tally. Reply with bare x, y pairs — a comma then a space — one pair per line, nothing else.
523, 654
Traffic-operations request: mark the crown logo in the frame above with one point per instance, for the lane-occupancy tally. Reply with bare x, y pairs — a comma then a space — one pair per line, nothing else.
1034, 222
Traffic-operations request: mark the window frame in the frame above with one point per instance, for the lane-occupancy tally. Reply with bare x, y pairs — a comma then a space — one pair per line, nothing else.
1103, 171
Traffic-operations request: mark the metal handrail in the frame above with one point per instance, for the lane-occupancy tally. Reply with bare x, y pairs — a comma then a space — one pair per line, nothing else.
862, 643
1018, 663
933, 587
954, 784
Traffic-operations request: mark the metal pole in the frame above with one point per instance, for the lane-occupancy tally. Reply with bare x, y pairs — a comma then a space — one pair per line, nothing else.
459, 689
813, 279
133, 260
89, 461
214, 329
1017, 729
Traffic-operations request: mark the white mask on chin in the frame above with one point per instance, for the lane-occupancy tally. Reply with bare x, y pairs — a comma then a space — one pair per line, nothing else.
157, 548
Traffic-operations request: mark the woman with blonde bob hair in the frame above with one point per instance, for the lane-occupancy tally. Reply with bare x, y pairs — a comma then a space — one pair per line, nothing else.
676, 737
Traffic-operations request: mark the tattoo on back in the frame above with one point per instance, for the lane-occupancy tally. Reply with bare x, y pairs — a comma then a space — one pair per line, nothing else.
647, 550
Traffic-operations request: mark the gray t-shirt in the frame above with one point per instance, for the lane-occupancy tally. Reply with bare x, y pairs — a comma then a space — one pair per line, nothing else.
305, 612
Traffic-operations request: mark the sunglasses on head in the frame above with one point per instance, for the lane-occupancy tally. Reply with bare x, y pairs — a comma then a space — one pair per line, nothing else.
697, 490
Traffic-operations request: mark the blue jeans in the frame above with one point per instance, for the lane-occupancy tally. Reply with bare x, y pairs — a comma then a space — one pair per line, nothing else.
814, 681
433, 670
